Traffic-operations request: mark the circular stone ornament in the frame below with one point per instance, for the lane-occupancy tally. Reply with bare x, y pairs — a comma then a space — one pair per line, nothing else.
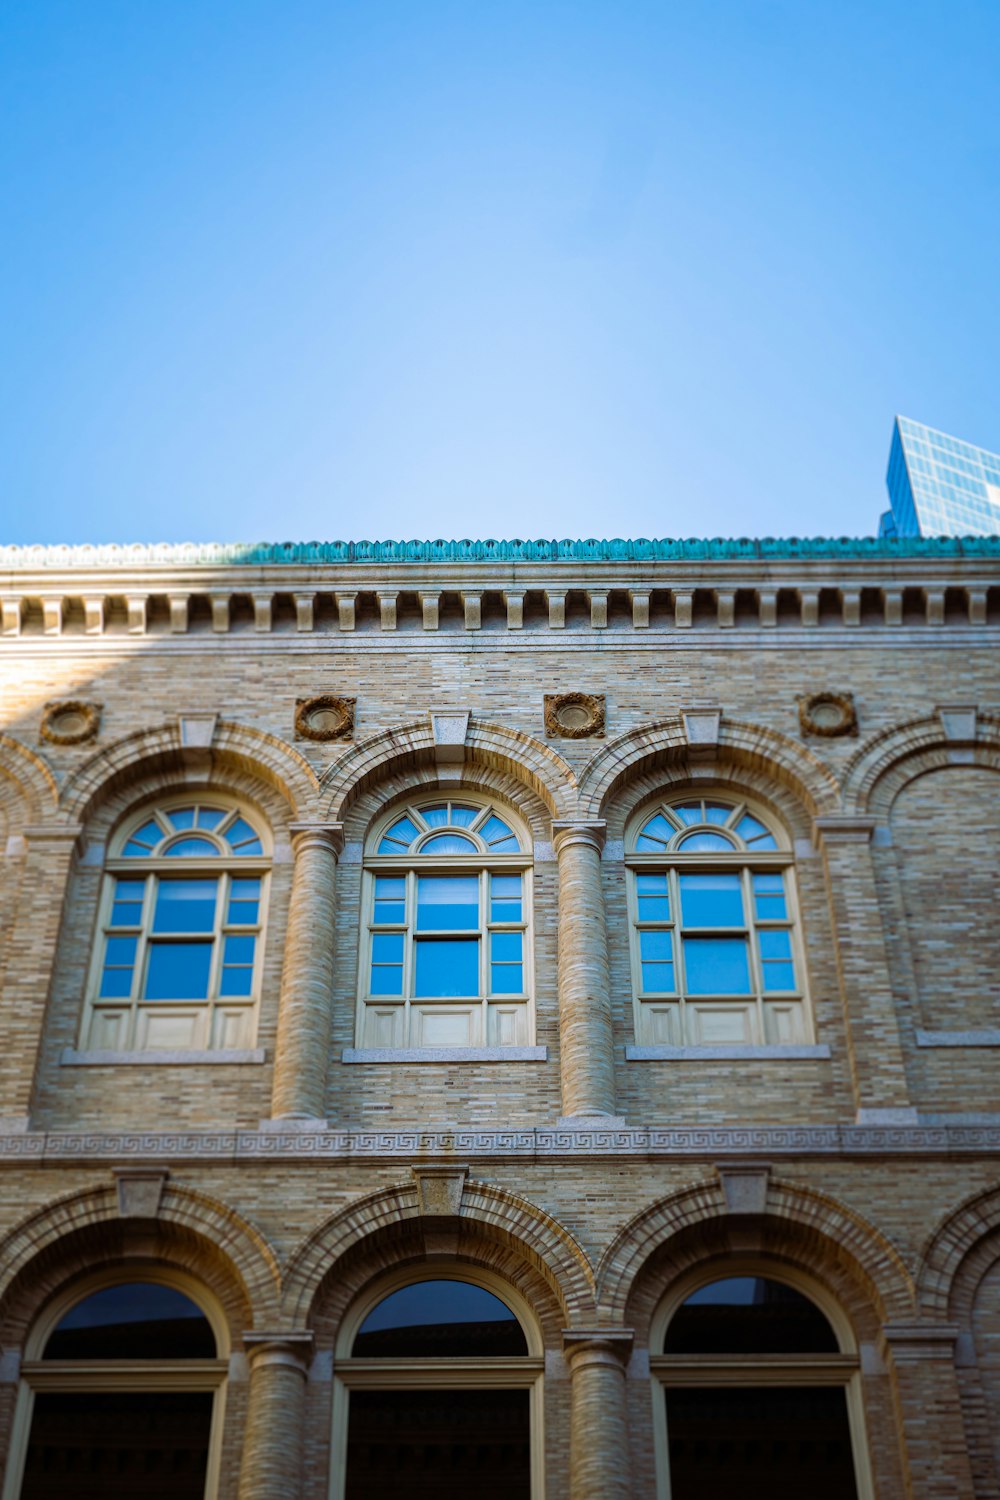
828, 714
574, 716
70, 723
325, 717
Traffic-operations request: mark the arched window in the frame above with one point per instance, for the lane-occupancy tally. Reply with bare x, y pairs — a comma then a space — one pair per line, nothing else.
446, 959
439, 1393
715, 952
120, 1394
757, 1393
177, 962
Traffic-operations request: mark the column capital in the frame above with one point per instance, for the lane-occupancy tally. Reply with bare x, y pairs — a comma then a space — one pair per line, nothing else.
566, 831
912, 1343
843, 830
52, 833
597, 1346
328, 836
288, 1350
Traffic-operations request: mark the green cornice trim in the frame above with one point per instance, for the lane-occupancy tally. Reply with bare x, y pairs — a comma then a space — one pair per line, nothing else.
590, 549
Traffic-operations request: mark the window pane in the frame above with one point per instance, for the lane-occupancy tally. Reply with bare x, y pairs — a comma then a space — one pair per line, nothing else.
657, 829
716, 966
133, 1320
656, 947
506, 979
506, 947
657, 979
462, 816
145, 839
442, 1318
239, 950
749, 1315
782, 1442
769, 897
178, 971
775, 943
181, 817
447, 903
703, 842
505, 892
390, 899
711, 900
116, 984
244, 903
447, 966
210, 817
497, 834
242, 838
185, 906
115, 1443
717, 812
401, 832
755, 833
435, 817
448, 843
778, 977
126, 910
387, 948
656, 950
119, 960
688, 812
193, 848
387, 964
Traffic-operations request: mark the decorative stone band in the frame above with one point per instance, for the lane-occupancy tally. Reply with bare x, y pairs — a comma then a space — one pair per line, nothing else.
597, 1346
913, 1343
839, 830
566, 832
328, 836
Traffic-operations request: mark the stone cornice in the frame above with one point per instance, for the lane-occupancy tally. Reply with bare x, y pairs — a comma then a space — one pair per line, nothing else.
915, 1142
590, 549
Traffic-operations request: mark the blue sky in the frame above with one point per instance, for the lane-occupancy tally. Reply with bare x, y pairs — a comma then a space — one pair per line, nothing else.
293, 270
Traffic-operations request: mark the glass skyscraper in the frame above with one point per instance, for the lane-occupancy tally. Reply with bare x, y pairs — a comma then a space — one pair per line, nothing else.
939, 486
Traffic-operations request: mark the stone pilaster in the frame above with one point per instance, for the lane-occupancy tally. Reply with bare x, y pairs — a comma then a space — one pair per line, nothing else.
585, 1042
304, 1014
30, 961
870, 1018
599, 1450
922, 1359
273, 1448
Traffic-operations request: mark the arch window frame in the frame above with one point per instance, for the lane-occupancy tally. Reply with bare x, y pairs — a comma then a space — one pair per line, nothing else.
842, 1370
668, 1008
127, 918
486, 1372
67, 1376
395, 939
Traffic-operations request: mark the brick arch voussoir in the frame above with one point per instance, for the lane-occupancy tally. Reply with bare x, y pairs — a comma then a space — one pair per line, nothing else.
146, 752
489, 1213
966, 1241
28, 788
769, 756
407, 747
883, 765
823, 1233
220, 1236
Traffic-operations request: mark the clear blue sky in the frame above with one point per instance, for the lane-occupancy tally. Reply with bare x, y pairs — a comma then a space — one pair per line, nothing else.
277, 269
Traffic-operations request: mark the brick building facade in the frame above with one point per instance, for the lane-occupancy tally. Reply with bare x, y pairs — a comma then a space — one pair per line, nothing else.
591, 924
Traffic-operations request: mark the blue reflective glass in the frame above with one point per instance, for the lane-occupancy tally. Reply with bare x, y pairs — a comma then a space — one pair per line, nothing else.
178, 971
498, 835
401, 832
462, 816
506, 980
658, 829
653, 898
716, 966
244, 902
688, 812
448, 843
387, 948
390, 899
242, 838
769, 897
656, 946
387, 964
657, 979
238, 950
779, 977
711, 900
144, 839
193, 848
505, 947
210, 817
699, 843
126, 910
755, 833
185, 906
505, 898
181, 817
435, 817
119, 958
447, 903
237, 970
447, 966
775, 943
116, 984
717, 812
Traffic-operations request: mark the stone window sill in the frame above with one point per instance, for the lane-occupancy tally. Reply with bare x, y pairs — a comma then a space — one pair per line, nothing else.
989, 1038
70, 1058
787, 1053
443, 1054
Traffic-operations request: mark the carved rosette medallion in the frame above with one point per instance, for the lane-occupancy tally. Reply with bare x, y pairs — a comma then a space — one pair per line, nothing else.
828, 714
71, 722
574, 716
325, 717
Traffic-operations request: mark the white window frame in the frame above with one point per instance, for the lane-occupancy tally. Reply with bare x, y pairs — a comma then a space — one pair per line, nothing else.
411, 1021
68, 1375
757, 1017
216, 1023
753, 1370
499, 1372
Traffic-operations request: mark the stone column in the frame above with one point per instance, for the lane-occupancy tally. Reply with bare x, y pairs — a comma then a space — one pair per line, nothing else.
588, 1086
304, 1012
598, 1444
871, 1022
936, 1450
273, 1448
30, 962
